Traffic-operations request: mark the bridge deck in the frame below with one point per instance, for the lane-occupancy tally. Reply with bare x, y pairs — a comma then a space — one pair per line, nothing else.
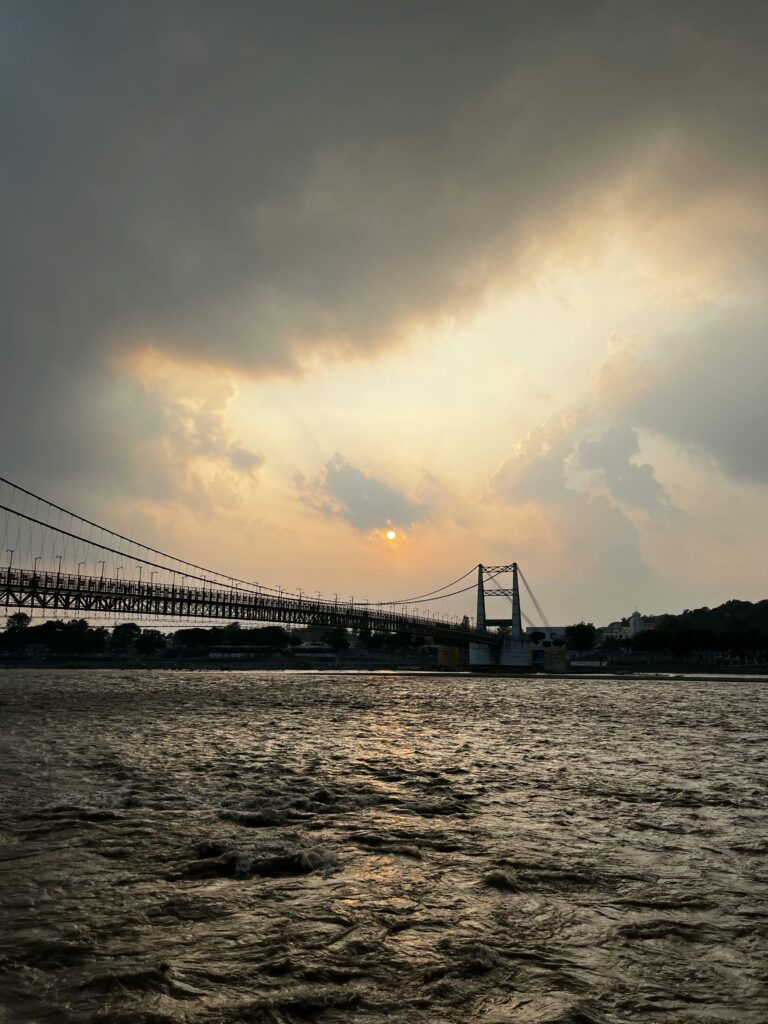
53, 591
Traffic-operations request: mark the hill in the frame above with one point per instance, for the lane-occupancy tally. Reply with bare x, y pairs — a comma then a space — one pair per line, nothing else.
735, 625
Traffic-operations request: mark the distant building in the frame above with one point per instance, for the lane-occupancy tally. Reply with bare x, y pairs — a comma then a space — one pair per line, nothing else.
317, 652
553, 636
241, 652
307, 635
628, 629
547, 647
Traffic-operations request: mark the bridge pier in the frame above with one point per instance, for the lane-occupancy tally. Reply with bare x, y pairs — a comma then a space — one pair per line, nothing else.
482, 656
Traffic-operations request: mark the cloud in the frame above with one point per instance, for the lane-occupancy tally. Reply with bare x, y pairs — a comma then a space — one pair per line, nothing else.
180, 449
345, 492
542, 465
535, 471
705, 390
306, 177
585, 540
610, 455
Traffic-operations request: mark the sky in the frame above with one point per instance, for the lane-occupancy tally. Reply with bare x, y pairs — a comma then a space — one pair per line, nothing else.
280, 278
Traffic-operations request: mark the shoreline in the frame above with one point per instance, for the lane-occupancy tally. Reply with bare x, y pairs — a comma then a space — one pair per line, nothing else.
670, 674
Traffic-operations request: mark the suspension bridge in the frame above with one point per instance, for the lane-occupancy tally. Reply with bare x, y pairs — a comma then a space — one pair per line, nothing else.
56, 563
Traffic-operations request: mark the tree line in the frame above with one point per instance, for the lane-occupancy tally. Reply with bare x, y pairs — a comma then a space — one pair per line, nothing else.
733, 626
79, 637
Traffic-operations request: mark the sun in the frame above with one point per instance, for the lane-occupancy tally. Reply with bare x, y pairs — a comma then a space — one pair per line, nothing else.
391, 535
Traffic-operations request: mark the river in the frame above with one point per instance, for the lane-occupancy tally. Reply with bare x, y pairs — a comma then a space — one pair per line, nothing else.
281, 847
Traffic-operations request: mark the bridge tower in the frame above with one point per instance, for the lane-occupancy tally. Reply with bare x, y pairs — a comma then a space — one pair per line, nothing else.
480, 599
481, 656
515, 651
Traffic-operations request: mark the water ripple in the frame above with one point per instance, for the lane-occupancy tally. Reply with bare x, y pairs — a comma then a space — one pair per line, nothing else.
243, 846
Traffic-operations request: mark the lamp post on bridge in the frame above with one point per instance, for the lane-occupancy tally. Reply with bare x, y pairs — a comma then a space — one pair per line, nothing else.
10, 551
102, 563
79, 568
58, 572
36, 560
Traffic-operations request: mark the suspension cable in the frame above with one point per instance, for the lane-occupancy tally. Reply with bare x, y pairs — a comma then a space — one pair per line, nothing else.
211, 572
128, 540
544, 618
157, 565
113, 551
423, 597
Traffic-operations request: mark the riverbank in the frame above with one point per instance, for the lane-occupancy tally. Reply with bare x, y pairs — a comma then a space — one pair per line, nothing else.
347, 668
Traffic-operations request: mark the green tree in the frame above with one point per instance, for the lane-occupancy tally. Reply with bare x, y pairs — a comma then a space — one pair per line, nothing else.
77, 637
16, 636
231, 634
125, 636
580, 636
271, 636
17, 622
336, 638
151, 640
196, 638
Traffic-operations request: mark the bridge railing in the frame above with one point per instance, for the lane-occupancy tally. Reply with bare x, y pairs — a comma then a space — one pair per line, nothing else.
196, 599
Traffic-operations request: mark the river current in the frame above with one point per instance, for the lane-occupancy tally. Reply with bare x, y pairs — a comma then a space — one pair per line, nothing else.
288, 847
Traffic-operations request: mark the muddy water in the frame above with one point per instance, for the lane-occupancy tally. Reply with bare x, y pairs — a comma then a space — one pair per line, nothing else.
221, 847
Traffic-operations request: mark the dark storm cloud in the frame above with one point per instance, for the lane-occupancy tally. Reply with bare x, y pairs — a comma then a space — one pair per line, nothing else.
343, 491
712, 394
707, 391
611, 456
235, 183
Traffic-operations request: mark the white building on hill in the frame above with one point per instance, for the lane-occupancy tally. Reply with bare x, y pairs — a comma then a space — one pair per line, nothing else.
627, 630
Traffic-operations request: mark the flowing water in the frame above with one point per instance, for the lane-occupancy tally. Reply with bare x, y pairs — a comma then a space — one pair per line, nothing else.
283, 847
